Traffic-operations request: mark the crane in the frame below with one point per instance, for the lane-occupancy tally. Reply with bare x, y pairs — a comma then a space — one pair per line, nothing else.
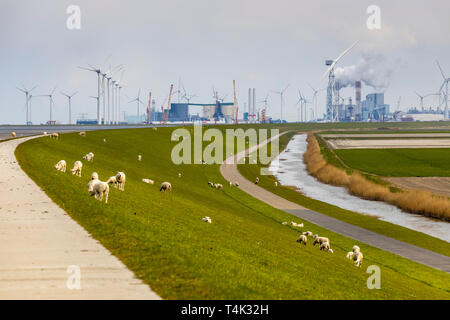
166, 116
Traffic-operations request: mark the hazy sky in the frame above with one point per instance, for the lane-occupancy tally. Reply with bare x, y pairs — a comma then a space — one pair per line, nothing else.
262, 44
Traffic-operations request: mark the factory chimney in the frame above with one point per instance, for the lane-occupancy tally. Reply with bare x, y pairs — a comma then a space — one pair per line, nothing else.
249, 100
358, 113
254, 104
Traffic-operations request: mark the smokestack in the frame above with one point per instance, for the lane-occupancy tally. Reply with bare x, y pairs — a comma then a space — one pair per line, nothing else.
249, 100
358, 100
254, 101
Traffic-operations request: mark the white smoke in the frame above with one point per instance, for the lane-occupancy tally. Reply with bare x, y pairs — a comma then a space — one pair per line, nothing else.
373, 70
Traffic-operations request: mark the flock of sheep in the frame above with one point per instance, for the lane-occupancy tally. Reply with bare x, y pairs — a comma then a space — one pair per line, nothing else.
97, 188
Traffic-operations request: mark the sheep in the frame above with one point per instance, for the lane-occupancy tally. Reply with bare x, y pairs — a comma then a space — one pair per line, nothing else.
166, 186
356, 249
61, 166
325, 246
45, 133
276, 184
94, 176
154, 129
308, 233
179, 175
104, 140
120, 178
207, 219
358, 259
236, 184
303, 239
89, 157
284, 223
218, 186
98, 189
13, 134
319, 240
257, 180
231, 184
210, 184
112, 180
82, 133
77, 166
301, 225
350, 255
54, 135
148, 181
139, 157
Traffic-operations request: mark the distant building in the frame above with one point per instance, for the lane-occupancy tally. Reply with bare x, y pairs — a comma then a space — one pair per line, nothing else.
374, 108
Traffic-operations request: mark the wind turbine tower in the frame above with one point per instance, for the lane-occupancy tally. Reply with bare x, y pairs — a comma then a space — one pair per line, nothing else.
69, 97
27, 100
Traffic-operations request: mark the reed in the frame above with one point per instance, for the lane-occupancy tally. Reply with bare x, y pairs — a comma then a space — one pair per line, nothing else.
413, 201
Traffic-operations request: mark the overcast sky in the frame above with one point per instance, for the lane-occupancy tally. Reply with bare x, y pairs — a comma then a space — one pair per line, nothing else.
262, 44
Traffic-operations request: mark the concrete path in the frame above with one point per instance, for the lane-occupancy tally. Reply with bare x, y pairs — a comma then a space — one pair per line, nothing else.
39, 241
230, 172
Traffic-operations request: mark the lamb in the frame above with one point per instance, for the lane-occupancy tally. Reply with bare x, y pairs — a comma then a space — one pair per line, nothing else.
319, 240
89, 157
77, 166
350, 255
218, 186
257, 180
207, 219
357, 259
54, 135
120, 180
98, 189
61, 166
94, 176
13, 134
303, 239
139, 158
356, 249
148, 181
82, 133
325, 246
308, 233
166, 186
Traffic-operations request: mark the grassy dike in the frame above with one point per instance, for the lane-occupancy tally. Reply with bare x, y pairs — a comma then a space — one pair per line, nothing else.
244, 254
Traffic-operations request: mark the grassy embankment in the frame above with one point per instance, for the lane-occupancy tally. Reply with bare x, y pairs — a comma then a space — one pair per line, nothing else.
244, 254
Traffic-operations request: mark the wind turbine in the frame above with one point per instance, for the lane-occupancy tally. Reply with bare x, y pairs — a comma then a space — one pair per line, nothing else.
50, 96
445, 93
332, 91
27, 99
69, 97
187, 96
281, 93
265, 103
421, 99
314, 99
300, 101
138, 100
98, 71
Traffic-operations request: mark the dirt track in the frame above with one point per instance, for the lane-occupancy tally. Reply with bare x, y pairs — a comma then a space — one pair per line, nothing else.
39, 241
437, 185
231, 173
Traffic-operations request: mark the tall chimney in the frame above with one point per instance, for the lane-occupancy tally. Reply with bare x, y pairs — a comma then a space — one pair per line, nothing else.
249, 100
254, 101
358, 112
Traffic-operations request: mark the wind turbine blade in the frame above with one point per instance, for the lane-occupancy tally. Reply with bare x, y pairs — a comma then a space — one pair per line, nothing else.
442, 72
21, 90
53, 91
339, 58
285, 88
74, 93
88, 69
33, 88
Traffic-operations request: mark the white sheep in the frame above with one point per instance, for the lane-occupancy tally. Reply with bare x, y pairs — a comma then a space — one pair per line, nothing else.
89, 157
112, 180
207, 219
236, 184
166, 186
356, 249
98, 189
218, 186
104, 140
54, 135
325, 246
82, 133
61, 166
319, 240
94, 176
148, 181
231, 184
276, 184
301, 225
77, 166
308, 233
350, 255
139, 158
120, 178
13, 134
45, 133
179, 175
284, 223
256, 180
358, 258
303, 239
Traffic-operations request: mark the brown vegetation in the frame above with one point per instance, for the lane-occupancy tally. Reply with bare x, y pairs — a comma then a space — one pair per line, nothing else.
414, 201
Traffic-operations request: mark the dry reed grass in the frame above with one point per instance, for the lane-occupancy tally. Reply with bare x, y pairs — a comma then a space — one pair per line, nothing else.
414, 201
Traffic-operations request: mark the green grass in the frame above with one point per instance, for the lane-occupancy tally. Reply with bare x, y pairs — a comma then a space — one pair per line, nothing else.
244, 254
398, 162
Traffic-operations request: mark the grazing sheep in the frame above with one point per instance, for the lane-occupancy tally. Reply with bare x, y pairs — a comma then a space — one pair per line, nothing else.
94, 176
89, 157
98, 189
308, 233
236, 184
207, 219
218, 186
303, 239
325, 246
61, 166
210, 184
301, 225
356, 249
358, 259
257, 180
82, 133
77, 166
319, 240
104, 140
112, 180
276, 184
120, 180
350, 255
139, 158
13, 134
148, 181
45, 133
54, 135
166, 186
284, 223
